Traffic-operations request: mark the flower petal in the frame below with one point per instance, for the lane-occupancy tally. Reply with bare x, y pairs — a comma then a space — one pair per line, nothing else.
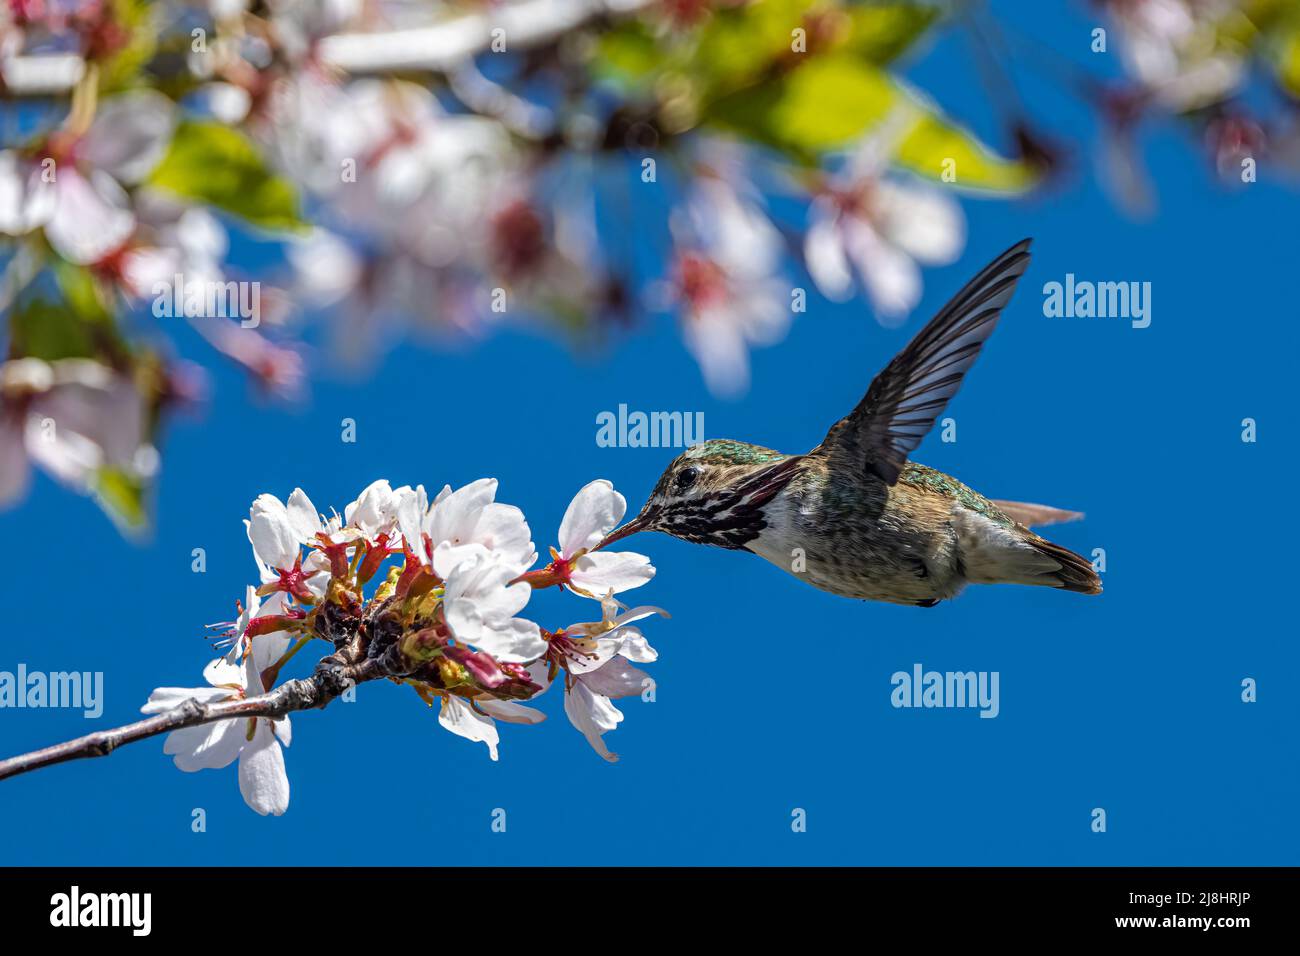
130, 134
605, 571
207, 746
592, 513
922, 221
892, 279
593, 715
617, 678
823, 254
375, 510
221, 673
509, 711
92, 217
15, 472
303, 516
26, 201
274, 538
262, 778
458, 717
166, 698
715, 337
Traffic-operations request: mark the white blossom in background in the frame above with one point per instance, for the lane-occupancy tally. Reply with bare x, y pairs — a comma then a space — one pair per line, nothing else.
74, 418
879, 230
1172, 48
75, 192
725, 283
411, 226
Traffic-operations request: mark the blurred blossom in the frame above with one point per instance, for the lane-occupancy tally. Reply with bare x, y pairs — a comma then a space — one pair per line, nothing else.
74, 418
725, 282
881, 230
226, 9
74, 188
171, 238
1174, 49
1231, 139
422, 215
299, 24
278, 369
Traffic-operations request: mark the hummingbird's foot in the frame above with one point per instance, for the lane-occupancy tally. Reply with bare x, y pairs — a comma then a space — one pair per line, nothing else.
929, 602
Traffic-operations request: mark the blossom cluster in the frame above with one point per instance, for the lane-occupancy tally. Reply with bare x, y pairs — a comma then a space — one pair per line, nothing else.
434, 591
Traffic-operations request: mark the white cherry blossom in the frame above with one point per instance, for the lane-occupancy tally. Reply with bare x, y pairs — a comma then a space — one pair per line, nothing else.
262, 778
469, 523
461, 718
595, 511
480, 605
598, 657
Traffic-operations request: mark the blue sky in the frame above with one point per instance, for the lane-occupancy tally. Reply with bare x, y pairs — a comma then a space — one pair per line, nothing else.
771, 695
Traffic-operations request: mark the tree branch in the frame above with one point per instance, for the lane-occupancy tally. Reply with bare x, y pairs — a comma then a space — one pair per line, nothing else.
329, 681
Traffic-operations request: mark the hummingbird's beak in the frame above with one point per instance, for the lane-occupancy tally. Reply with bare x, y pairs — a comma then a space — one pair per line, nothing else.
641, 522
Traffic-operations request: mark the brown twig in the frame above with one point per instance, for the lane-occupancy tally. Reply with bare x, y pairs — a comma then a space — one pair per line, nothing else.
332, 678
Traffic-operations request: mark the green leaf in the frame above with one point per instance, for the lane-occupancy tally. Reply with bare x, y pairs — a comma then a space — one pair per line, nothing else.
1287, 62
81, 293
219, 165
124, 66
824, 105
45, 330
122, 496
628, 52
934, 146
882, 32
739, 45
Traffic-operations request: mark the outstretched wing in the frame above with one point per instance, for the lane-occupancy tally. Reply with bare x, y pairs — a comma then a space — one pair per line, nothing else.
904, 400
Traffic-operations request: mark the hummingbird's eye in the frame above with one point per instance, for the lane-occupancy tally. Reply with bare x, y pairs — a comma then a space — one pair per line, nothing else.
686, 477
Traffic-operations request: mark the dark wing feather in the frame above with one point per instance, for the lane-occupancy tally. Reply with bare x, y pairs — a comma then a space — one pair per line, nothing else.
903, 401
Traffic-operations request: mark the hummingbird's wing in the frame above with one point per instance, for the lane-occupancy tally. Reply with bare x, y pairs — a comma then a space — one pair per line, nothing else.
907, 396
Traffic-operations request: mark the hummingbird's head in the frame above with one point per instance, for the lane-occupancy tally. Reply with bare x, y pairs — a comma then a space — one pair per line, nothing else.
713, 493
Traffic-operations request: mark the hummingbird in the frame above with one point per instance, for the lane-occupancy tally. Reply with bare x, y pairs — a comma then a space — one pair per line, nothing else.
854, 516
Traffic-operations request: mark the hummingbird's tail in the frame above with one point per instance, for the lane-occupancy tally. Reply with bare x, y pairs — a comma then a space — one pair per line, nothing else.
1075, 574
992, 553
